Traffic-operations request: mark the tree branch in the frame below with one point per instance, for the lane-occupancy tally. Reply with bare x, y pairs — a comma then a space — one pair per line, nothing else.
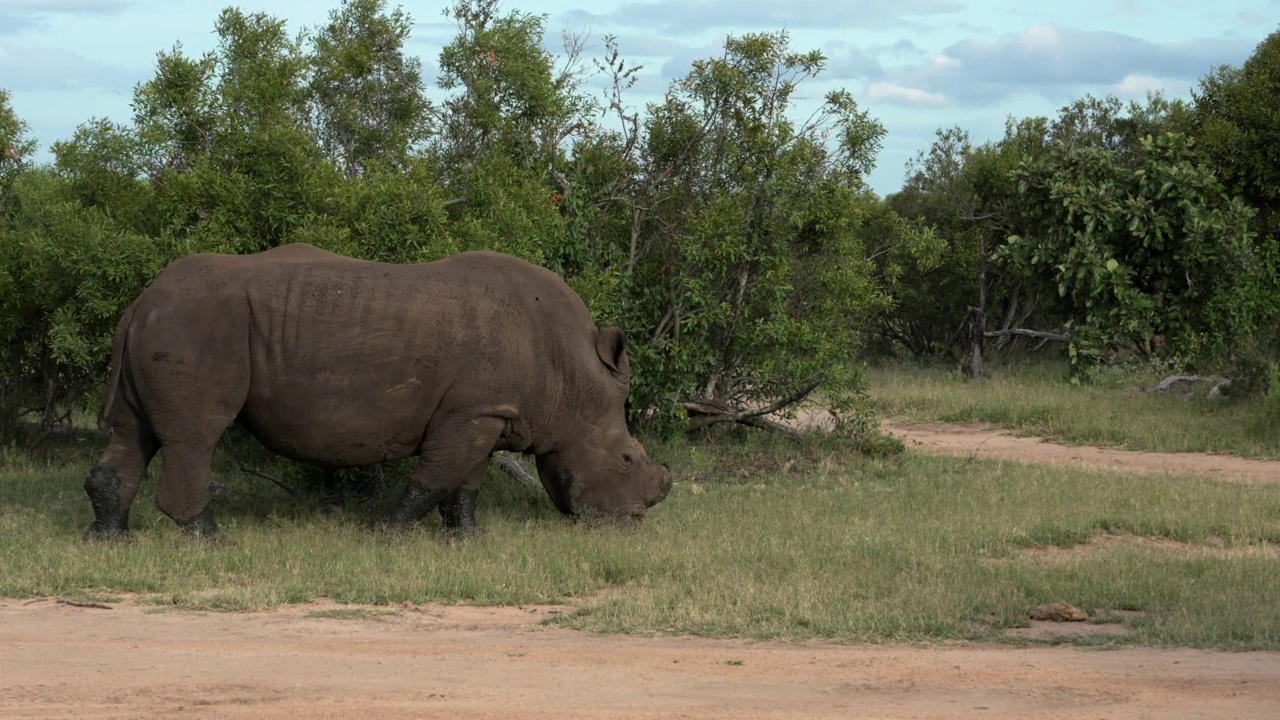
1039, 334
1172, 380
264, 476
706, 411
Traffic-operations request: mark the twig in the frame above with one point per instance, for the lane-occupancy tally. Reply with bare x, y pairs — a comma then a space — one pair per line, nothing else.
79, 604
264, 476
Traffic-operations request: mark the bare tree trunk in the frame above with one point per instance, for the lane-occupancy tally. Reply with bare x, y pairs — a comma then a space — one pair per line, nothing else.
978, 315
977, 365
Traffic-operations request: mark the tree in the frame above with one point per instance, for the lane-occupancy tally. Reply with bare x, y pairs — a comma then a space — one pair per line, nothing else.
16, 143
104, 166
973, 198
366, 99
508, 99
1157, 257
743, 275
1234, 124
66, 274
966, 195
234, 163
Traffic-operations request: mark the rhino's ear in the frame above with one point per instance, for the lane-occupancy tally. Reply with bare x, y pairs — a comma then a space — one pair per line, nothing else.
611, 346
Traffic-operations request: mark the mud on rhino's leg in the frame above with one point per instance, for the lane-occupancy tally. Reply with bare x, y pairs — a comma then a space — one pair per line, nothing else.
454, 459
459, 509
113, 482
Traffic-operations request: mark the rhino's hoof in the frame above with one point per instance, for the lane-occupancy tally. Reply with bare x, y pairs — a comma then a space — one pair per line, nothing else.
391, 526
462, 532
106, 532
202, 525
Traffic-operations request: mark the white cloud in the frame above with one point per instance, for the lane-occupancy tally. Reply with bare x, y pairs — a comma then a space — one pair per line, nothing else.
1058, 62
687, 17
19, 15
36, 69
1040, 36
896, 94
1138, 84
943, 60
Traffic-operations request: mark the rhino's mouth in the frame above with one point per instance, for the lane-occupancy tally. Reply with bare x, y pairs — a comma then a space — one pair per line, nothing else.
571, 486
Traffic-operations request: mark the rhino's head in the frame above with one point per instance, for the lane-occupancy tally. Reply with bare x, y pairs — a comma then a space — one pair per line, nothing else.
599, 469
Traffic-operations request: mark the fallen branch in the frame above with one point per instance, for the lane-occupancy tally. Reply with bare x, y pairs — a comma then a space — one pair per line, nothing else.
81, 604
512, 467
1038, 334
1166, 384
264, 476
704, 412
1220, 384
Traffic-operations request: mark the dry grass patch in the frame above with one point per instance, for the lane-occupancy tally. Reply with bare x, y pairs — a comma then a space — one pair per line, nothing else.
1213, 547
1121, 411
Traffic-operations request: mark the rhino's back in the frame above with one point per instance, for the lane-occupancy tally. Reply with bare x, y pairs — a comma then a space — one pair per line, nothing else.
354, 358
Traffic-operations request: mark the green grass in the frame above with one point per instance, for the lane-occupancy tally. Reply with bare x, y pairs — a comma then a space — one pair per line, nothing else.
1122, 411
758, 540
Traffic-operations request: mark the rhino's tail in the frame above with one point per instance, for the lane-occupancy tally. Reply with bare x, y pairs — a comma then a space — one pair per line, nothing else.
114, 381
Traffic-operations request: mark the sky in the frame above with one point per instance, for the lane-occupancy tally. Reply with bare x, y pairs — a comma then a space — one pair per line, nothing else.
915, 65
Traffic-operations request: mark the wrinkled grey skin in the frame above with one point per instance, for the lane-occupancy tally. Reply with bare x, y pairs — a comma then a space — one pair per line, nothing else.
344, 363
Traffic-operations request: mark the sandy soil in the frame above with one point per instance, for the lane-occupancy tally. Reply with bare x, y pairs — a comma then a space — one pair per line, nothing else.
985, 442
122, 660
63, 661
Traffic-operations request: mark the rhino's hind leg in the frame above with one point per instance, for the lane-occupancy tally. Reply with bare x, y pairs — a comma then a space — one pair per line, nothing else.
458, 511
184, 487
113, 482
455, 457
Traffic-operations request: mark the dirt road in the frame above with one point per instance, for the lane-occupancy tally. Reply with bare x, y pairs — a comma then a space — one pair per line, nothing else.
121, 661
60, 661
984, 442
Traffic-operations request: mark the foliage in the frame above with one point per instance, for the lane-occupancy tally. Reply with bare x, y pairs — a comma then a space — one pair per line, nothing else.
1150, 255
366, 101
1102, 181
16, 143
1234, 121
737, 245
737, 230
940, 193
66, 274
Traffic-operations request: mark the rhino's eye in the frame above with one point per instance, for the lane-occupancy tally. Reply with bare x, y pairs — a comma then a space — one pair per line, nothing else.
626, 456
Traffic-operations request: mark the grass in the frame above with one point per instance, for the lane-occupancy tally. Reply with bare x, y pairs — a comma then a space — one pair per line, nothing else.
759, 539
356, 613
1120, 411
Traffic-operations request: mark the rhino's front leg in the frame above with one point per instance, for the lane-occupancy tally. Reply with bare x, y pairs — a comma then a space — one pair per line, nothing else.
454, 459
